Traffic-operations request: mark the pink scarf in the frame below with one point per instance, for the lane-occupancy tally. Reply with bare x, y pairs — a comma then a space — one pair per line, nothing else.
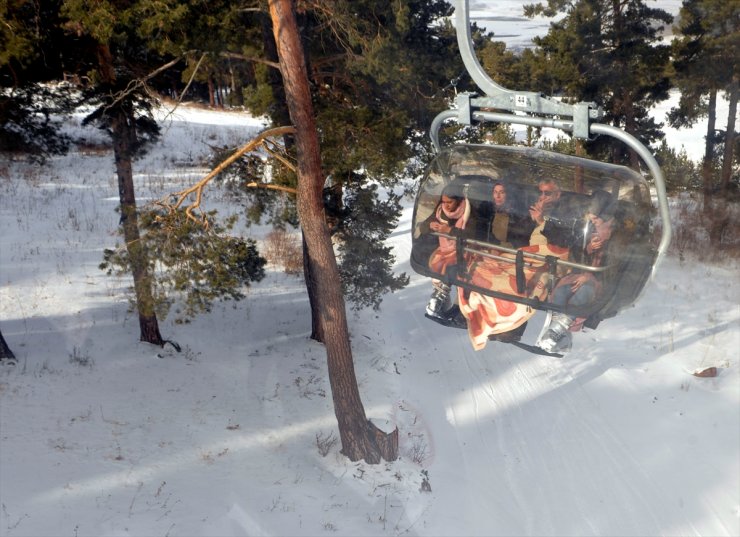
461, 215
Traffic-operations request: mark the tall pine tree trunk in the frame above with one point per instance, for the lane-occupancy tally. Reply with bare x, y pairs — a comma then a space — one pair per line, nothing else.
281, 115
720, 214
123, 134
360, 438
728, 156
712, 210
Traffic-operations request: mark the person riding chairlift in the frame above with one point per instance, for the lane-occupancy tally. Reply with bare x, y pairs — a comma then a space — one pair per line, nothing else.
581, 288
451, 218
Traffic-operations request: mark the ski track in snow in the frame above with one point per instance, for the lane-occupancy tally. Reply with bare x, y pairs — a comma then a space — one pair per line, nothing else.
534, 422
617, 438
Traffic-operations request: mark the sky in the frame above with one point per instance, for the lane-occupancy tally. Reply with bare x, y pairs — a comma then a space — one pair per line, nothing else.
101, 435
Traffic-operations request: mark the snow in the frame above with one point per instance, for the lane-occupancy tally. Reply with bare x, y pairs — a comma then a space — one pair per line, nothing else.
101, 435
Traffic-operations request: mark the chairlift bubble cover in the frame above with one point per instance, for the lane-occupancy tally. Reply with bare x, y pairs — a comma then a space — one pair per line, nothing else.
629, 255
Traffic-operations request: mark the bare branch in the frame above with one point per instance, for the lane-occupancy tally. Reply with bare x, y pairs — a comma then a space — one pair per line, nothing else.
269, 186
190, 80
236, 56
137, 82
261, 141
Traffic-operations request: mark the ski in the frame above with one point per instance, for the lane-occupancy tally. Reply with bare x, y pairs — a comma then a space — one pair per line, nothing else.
533, 349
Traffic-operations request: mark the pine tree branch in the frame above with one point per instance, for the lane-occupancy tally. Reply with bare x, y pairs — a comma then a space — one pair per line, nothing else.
261, 141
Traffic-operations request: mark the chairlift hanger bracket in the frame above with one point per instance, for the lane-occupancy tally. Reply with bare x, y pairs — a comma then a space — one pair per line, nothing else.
471, 107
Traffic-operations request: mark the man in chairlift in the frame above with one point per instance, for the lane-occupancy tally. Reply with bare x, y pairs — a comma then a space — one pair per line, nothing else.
581, 288
548, 214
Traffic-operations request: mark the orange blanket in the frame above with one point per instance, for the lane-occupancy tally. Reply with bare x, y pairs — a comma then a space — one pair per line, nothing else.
487, 315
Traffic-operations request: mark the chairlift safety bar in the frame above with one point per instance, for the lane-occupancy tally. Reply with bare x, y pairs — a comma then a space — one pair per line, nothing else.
514, 251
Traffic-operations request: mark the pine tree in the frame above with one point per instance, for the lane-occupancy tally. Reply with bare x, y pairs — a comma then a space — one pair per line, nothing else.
375, 69
360, 438
609, 52
29, 110
706, 62
116, 35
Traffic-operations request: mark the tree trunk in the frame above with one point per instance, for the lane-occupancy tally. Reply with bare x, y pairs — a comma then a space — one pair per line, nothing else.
275, 80
720, 211
578, 184
714, 208
727, 157
358, 435
5, 352
211, 93
282, 117
123, 134
317, 333
630, 126
706, 170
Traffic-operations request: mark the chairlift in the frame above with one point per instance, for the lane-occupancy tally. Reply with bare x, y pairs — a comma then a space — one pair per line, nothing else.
641, 228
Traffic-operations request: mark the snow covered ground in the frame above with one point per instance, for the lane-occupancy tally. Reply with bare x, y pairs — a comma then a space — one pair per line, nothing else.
101, 435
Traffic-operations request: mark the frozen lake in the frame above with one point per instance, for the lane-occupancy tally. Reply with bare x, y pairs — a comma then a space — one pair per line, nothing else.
506, 19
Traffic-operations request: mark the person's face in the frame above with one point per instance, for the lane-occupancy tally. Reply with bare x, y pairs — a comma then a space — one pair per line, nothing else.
595, 220
450, 204
549, 194
499, 195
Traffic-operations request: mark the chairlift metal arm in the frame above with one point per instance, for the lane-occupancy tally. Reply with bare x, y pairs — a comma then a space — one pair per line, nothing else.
466, 113
500, 98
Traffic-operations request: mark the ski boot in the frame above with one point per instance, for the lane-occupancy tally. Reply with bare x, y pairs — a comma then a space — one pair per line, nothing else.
557, 338
439, 302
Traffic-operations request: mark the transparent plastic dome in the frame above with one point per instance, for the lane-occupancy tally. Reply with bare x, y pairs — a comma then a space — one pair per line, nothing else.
620, 194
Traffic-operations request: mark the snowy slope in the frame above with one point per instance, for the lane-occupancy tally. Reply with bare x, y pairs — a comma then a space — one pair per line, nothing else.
101, 435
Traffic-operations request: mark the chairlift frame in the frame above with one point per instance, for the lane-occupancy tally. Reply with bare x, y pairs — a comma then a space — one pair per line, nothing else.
536, 110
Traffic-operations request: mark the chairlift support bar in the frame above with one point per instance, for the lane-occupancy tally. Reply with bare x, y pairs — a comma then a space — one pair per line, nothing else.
574, 118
